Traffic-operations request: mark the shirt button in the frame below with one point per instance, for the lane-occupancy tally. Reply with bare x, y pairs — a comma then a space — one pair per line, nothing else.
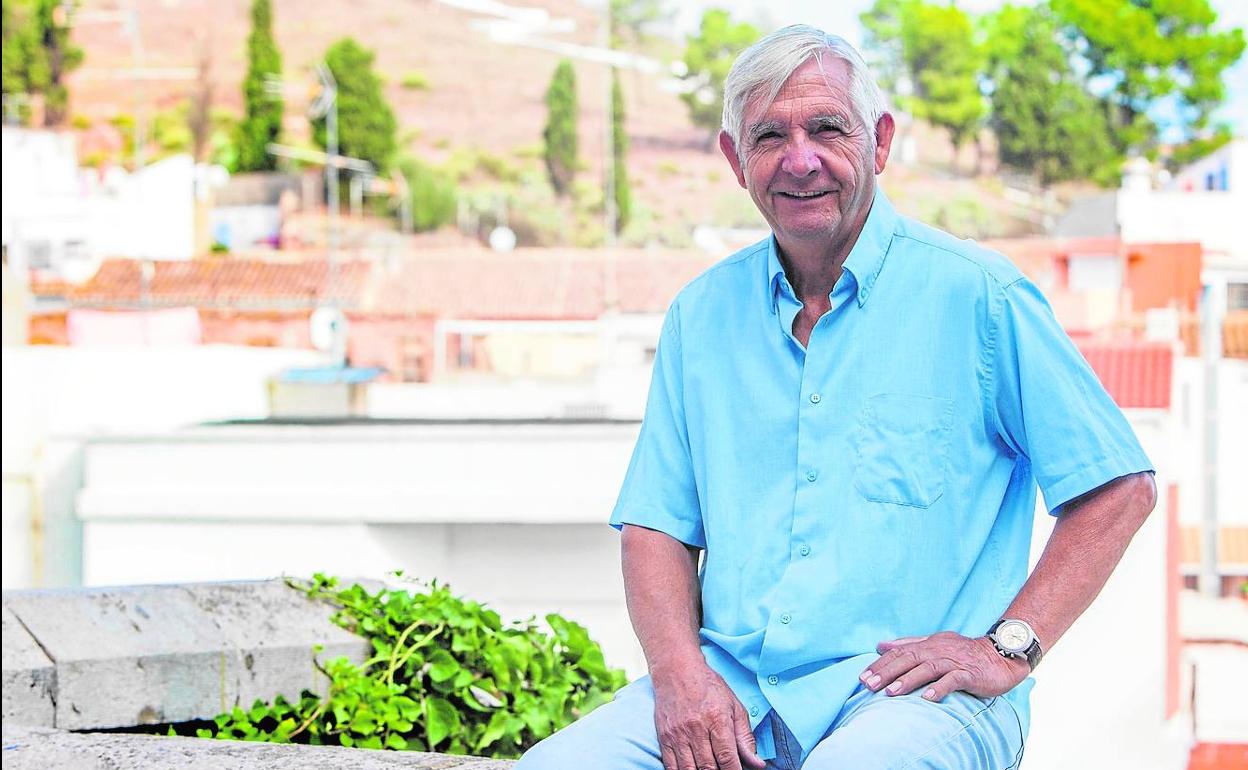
804, 550
785, 618
815, 398
753, 711
773, 679
811, 475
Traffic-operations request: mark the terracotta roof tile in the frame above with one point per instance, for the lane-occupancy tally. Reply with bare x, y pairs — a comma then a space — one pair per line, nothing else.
214, 282
537, 284
1136, 374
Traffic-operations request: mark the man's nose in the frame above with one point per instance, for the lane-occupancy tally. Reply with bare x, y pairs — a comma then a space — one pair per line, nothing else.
799, 158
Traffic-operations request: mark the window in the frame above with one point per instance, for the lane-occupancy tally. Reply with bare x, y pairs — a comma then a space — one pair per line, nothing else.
1237, 296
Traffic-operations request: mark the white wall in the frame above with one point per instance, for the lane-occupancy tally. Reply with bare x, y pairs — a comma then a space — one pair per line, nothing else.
53, 397
1099, 698
1212, 219
1232, 445
149, 214
1233, 157
514, 515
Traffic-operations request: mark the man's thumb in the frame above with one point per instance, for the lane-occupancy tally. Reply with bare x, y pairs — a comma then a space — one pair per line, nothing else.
745, 742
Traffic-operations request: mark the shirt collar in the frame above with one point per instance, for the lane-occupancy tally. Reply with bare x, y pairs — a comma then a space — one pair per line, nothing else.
865, 259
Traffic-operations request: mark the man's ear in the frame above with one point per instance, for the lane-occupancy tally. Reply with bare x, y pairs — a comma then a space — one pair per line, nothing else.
884, 129
729, 149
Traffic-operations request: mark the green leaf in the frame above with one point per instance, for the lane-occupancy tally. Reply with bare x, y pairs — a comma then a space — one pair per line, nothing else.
441, 720
346, 740
443, 666
371, 742
396, 742
409, 708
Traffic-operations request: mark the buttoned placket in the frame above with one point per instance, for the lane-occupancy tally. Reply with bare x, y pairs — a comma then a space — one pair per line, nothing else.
812, 411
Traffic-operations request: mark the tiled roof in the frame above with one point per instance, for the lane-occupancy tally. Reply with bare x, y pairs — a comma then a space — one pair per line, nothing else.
221, 281
1136, 374
530, 284
537, 284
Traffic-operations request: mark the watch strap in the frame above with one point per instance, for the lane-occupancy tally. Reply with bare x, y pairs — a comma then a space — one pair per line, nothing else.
1033, 653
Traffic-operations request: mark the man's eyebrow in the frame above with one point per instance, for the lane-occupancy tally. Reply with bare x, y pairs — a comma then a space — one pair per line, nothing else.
762, 127
834, 120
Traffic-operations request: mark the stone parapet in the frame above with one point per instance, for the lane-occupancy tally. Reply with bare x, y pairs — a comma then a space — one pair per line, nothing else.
36, 748
29, 677
138, 655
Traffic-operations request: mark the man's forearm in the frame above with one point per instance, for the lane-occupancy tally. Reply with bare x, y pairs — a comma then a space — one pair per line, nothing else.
663, 596
1087, 542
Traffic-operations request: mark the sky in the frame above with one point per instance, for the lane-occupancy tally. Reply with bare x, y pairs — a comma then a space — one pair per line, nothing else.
841, 17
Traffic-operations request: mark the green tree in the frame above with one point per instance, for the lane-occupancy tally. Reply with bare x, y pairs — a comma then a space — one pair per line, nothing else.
881, 43
262, 108
619, 156
632, 20
432, 193
367, 128
1045, 121
559, 139
944, 62
1152, 50
932, 48
708, 57
38, 55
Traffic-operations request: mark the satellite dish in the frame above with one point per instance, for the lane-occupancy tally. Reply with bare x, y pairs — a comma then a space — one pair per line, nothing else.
326, 326
502, 238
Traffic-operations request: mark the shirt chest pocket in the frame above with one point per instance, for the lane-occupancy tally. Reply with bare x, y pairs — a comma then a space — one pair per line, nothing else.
902, 443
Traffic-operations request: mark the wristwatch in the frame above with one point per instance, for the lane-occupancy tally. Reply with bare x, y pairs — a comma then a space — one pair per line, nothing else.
1015, 639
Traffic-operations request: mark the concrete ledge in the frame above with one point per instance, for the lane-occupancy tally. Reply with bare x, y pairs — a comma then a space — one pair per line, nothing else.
151, 654
27, 748
29, 677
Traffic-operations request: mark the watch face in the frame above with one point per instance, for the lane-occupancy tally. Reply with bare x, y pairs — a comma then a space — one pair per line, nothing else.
1014, 636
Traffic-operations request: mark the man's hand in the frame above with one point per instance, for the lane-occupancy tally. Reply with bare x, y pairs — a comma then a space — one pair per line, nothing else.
945, 661
701, 724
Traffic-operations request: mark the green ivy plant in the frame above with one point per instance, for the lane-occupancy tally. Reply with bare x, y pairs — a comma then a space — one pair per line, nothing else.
446, 675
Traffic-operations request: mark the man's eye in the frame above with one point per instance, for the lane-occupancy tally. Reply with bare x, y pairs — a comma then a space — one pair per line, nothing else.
767, 135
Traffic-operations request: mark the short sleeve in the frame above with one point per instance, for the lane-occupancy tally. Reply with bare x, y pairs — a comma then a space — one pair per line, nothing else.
659, 490
1048, 404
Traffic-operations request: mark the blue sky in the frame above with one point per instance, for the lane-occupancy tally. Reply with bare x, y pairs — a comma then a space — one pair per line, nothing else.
841, 17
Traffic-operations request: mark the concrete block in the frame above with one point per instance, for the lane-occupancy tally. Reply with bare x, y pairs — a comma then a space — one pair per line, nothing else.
29, 677
37, 749
150, 654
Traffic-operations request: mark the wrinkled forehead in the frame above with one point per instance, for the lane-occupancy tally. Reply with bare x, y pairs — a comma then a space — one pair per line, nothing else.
821, 84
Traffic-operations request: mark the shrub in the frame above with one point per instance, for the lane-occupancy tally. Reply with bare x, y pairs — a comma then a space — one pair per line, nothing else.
446, 675
433, 194
415, 81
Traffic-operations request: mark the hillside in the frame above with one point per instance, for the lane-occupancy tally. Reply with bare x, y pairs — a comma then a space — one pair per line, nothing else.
483, 104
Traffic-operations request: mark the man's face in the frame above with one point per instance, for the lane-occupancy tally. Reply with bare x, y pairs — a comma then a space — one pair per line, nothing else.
809, 162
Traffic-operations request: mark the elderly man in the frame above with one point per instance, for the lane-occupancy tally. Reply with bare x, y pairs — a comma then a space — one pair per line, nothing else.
848, 422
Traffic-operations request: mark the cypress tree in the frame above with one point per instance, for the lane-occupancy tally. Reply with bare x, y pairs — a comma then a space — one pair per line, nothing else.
619, 155
560, 135
367, 128
262, 110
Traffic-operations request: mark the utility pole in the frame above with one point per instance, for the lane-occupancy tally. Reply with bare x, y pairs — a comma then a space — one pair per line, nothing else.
1210, 581
326, 105
610, 291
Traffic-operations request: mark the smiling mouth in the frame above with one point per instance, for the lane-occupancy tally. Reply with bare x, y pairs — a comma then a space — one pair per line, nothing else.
802, 196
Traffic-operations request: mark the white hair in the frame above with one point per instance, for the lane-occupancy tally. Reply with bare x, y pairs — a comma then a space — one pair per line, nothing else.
762, 69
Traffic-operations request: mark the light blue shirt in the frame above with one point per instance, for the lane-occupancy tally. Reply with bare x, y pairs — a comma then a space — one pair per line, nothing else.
879, 483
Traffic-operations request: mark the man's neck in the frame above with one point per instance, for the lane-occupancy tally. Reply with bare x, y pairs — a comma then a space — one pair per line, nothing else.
814, 267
